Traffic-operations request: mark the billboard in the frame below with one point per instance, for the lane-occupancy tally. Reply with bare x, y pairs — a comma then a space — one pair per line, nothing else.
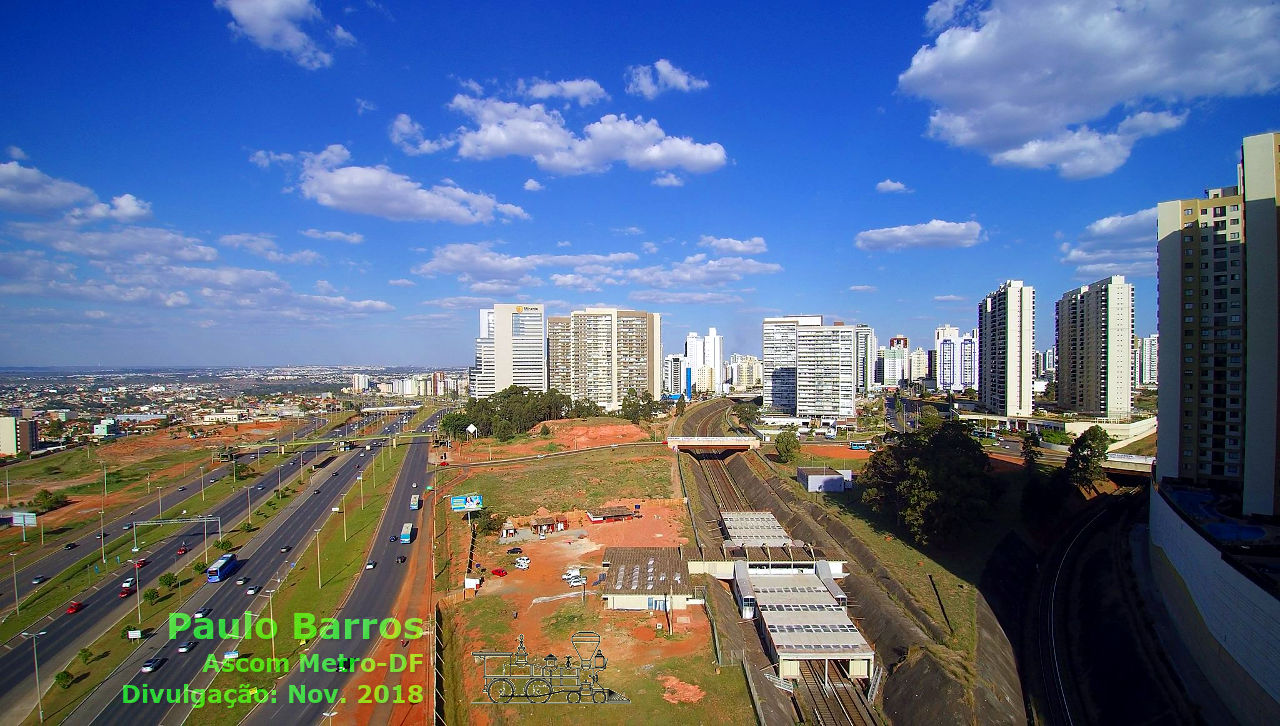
467, 503
24, 519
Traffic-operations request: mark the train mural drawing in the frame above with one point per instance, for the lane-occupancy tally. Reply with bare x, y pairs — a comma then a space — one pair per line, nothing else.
515, 678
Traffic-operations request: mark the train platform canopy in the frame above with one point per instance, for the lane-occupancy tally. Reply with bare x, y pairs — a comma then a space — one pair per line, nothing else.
804, 618
646, 578
755, 529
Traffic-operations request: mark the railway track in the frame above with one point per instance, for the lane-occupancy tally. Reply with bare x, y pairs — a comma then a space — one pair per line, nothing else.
704, 423
833, 706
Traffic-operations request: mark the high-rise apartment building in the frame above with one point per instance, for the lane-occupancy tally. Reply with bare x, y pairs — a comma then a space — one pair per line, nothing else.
1148, 370
957, 358
674, 380
359, 383
606, 352
864, 354
918, 365
896, 361
511, 350
706, 351
826, 371
779, 361
1094, 325
18, 435
1006, 343
558, 349
1217, 315
747, 371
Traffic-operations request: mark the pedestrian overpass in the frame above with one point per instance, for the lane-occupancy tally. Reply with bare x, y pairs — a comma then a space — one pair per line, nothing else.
712, 443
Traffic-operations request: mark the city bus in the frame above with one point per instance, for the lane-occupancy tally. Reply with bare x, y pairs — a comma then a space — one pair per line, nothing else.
223, 568
406, 533
861, 446
415, 502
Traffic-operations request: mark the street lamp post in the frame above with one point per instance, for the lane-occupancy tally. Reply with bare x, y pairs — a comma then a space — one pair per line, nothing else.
159, 501
102, 533
271, 613
13, 558
137, 588
202, 483
319, 582
344, 516
360, 479
35, 657
204, 525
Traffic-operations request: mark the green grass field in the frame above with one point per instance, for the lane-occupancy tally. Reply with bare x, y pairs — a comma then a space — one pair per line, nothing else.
572, 482
1142, 447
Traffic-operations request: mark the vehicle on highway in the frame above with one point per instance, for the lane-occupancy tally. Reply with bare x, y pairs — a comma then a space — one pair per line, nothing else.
241, 580
252, 590
285, 548
182, 489
127, 527
370, 565
223, 568
316, 491
69, 546
415, 502
201, 613
128, 583
140, 562
149, 665
187, 646
74, 607
401, 560
260, 487
515, 551
101, 535
406, 533
38, 579
415, 485
499, 572
182, 550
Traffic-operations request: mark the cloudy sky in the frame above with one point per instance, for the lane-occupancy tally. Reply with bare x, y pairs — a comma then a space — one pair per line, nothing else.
307, 181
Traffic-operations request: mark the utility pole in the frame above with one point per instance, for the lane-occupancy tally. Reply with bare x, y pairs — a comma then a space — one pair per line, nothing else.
102, 534
16, 602
319, 582
36, 659
202, 483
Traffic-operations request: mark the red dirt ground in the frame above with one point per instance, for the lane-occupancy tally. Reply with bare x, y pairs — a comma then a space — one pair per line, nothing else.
836, 452
677, 691
573, 433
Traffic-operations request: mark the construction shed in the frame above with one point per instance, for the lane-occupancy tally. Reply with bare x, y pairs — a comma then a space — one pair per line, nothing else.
646, 578
610, 514
546, 525
824, 479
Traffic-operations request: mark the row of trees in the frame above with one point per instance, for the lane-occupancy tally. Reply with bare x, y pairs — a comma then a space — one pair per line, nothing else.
1082, 470
514, 410
935, 482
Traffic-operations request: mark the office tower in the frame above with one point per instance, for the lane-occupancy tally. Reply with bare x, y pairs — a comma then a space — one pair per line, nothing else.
559, 377
1006, 342
608, 351
826, 371
879, 371
1149, 359
18, 435
511, 350
707, 351
918, 365
864, 341
1094, 325
674, 381
779, 361
957, 359
1217, 314
896, 360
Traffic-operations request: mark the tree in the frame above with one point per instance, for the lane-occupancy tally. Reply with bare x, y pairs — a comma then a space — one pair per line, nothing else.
503, 430
64, 679
169, 580
223, 544
86, 655
1086, 457
47, 501
1030, 454
681, 405
787, 445
631, 408
151, 596
929, 418
747, 413
199, 567
544, 431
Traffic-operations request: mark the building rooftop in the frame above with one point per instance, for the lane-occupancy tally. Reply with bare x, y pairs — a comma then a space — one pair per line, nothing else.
754, 529
615, 511
646, 570
802, 618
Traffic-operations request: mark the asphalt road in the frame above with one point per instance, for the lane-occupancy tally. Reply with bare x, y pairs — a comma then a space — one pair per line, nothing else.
59, 559
374, 595
229, 601
64, 631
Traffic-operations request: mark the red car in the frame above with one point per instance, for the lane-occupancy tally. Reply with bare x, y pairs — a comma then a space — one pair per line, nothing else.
499, 572
443, 463
74, 607
183, 550
139, 562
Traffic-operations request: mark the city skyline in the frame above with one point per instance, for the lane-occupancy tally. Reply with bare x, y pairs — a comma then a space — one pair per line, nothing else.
318, 183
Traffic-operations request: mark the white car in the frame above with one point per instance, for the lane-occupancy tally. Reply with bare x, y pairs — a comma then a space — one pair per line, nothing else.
522, 565
577, 581
202, 613
252, 590
523, 559
127, 584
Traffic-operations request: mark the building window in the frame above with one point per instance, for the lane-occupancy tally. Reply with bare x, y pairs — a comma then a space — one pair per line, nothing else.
1234, 235
1235, 207
1188, 212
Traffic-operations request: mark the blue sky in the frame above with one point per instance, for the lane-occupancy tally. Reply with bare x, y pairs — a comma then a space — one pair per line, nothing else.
302, 181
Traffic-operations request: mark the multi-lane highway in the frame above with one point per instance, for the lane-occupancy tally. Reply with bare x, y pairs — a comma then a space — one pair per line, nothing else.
375, 592
262, 560
60, 559
66, 633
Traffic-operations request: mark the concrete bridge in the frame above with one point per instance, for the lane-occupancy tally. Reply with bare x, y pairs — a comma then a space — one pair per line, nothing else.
717, 443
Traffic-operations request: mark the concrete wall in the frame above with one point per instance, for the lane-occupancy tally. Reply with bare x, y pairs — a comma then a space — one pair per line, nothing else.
1226, 620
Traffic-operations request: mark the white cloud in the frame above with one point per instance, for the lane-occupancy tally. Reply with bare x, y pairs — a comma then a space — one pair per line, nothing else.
583, 90
324, 287
533, 185
263, 158
479, 261
499, 286
947, 298
95, 314
564, 243
153, 242
662, 76
124, 208
1121, 244
460, 302
28, 190
573, 280
16, 153
354, 238
1005, 79
344, 305
363, 106
407, 134
730, 246
668, 297
667, 179
504, 128
401, 282
378, 191
275, 25
889, 186
699, 271
632, 231
649, 248
264, 246
342, 36
863, 288
934, 233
